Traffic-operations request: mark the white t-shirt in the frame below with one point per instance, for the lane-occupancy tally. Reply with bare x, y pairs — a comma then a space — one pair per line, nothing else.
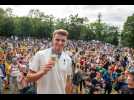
14, 70
54, 81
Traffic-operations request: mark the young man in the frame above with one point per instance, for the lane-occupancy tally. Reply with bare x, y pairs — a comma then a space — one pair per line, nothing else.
51, 75
107, 76
130, 81
77, 79
2, 70
14, 72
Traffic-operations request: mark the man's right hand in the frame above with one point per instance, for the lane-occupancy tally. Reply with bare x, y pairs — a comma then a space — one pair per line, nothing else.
34, 76
47, 67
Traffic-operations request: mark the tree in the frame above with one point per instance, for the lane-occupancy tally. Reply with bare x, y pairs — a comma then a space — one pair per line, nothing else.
6, 22
8, 26
9, 12
2, 16
104, 32
127, 36
37, 24
76, 26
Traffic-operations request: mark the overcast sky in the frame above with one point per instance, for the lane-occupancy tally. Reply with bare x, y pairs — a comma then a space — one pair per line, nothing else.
111, 14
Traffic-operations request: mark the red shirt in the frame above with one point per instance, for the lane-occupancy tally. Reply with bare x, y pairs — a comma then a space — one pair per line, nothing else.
82, 61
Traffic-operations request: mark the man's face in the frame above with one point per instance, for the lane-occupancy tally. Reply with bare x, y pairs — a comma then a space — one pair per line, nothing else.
59, 42
130, 79
109, 70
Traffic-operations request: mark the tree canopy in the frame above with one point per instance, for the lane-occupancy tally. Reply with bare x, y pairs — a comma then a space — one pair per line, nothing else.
40, 25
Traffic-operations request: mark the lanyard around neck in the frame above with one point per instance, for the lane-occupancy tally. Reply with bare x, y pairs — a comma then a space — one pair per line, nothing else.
58, 55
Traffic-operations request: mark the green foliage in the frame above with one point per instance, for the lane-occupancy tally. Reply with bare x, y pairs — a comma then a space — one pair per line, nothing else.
38, 24
127, 35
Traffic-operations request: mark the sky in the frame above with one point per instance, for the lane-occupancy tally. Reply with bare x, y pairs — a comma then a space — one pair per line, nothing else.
111, 14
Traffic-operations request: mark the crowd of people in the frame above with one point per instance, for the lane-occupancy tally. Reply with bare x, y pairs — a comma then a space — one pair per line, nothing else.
101, 68
98, 68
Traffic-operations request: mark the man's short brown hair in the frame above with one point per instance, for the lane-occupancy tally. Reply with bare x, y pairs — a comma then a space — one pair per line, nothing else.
61, 32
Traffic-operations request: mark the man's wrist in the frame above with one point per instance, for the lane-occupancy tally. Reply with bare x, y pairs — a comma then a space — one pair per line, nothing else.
43, 72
